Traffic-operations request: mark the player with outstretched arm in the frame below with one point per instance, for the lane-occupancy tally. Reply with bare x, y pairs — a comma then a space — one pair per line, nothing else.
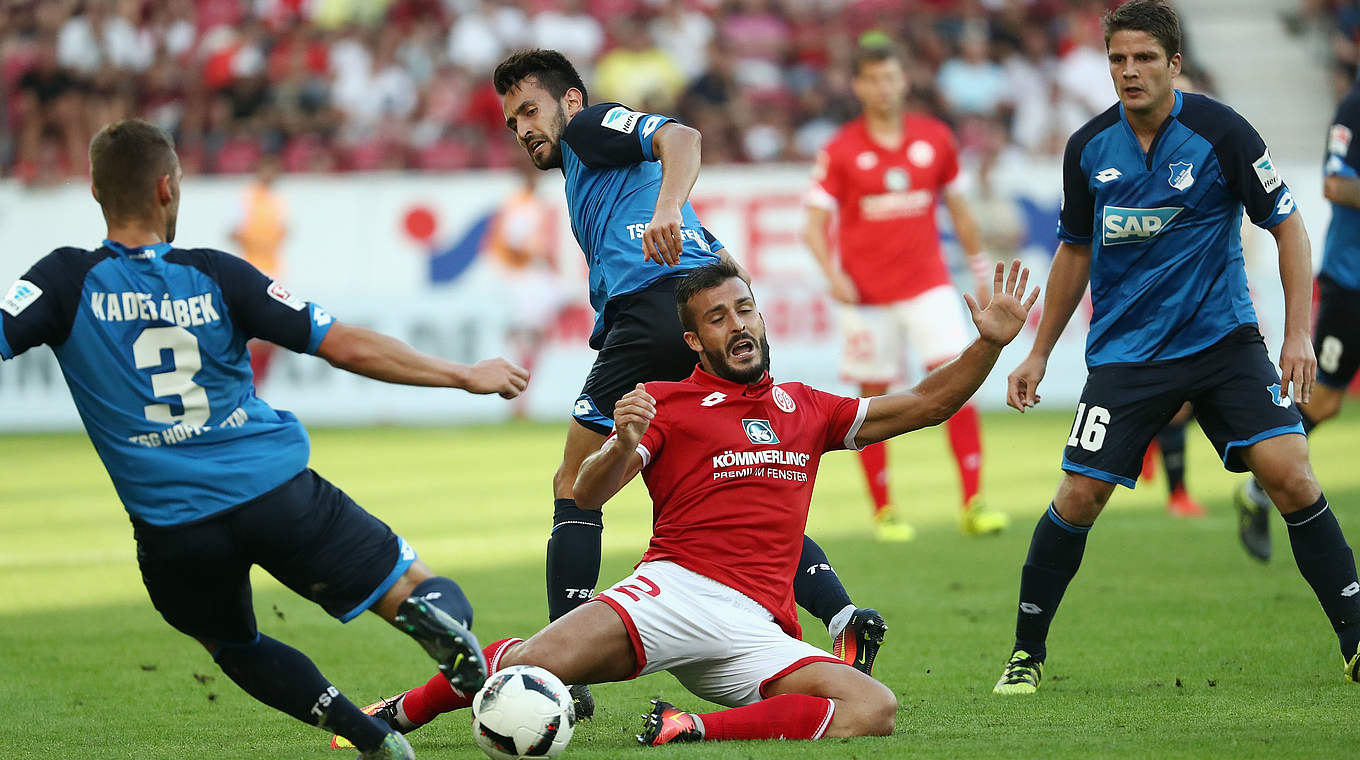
628, 178
152, 341
730, 459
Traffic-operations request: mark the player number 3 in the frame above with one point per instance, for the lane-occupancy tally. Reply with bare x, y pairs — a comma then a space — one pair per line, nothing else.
185, 361
1090, 436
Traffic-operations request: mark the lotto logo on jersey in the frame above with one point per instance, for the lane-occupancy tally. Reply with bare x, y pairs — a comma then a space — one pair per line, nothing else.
1135, 225
759, 432
21, 294
620, 119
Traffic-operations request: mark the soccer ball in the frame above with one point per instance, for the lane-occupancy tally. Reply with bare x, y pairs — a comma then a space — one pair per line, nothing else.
523, 711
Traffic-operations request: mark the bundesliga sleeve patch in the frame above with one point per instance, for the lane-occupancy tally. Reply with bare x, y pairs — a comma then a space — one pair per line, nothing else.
21, 295
280, 293
620, 119
1339, 139
1265, 172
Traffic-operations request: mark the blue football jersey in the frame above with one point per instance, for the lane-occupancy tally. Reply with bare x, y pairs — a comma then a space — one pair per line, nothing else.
1167, 275
152, 343
613, 180
1341, 253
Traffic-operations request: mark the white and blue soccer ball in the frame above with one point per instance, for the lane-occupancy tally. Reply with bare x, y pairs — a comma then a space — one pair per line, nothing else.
523, 711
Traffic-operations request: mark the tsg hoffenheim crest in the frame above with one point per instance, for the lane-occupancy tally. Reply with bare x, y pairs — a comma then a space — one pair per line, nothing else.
1181, 177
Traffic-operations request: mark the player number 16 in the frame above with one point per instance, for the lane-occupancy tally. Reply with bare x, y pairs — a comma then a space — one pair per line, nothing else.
1090, 436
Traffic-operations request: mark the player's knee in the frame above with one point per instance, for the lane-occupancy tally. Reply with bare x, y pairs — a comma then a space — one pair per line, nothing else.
1292, 487
874, 713
1080, 499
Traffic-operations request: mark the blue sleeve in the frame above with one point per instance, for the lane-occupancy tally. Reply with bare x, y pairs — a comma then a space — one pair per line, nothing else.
714, 244
1077, 215
1343, 154
259, 306
40, 307
1251, 174
610, 135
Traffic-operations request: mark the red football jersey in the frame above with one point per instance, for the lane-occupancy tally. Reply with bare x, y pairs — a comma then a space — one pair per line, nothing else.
885, 201
730, 468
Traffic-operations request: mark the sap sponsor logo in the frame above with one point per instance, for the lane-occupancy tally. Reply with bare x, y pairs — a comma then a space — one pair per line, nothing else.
1135, 225
130, 307
650, 124
783, 400
759, 432
713, 399
1182, 176
320, 316
1339, 140
1105, 176
1265, 172
21, 295
1286, 203
279, 293
620, 119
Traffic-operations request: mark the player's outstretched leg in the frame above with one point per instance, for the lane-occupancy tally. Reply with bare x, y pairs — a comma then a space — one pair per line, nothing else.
437, 615
1254, 509
1055, 553
817, 589
286, 680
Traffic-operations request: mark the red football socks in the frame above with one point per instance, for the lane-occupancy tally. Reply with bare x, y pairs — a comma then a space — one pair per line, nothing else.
965, 438
424, 703
787, 716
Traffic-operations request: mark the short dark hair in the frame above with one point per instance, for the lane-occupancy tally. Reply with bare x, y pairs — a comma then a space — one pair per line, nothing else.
1152, 16
874, 52
550, 68
700, 279
126, 160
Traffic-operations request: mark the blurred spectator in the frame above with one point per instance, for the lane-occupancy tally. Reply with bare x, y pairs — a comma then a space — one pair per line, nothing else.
637, 72
971, 83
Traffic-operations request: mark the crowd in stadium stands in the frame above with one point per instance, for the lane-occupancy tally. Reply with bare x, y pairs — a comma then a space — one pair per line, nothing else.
342, 85
1339, 23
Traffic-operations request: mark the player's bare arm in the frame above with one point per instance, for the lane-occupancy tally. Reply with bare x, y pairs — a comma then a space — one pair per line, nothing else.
943, 391
814, 234
606, 471
380, 357
1298, 364
1342, 190
677, 148
1067, 281
965, 229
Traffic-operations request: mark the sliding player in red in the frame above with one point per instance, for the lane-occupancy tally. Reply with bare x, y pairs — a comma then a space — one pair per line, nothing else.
730, 459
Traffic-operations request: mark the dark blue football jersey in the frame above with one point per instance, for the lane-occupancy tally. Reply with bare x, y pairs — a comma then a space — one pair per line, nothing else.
152, 342
613, 179
1341, 253
1167, 275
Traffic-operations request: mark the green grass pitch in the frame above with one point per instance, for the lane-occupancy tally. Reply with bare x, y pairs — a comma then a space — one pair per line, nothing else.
1170, 643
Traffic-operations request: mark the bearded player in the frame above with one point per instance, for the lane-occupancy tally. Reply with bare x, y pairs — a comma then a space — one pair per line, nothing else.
730, 460
881, 178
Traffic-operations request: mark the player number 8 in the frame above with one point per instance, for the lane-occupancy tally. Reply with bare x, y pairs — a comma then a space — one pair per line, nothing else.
1329, 358
1091, 436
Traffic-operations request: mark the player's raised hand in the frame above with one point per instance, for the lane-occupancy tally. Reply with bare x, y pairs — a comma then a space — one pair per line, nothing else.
497, 376
1005, 314
1298, 367
1022, 385
632, 415
661, 239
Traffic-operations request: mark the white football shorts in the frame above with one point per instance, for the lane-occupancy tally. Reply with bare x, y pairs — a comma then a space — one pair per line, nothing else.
721, 644
876, 337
